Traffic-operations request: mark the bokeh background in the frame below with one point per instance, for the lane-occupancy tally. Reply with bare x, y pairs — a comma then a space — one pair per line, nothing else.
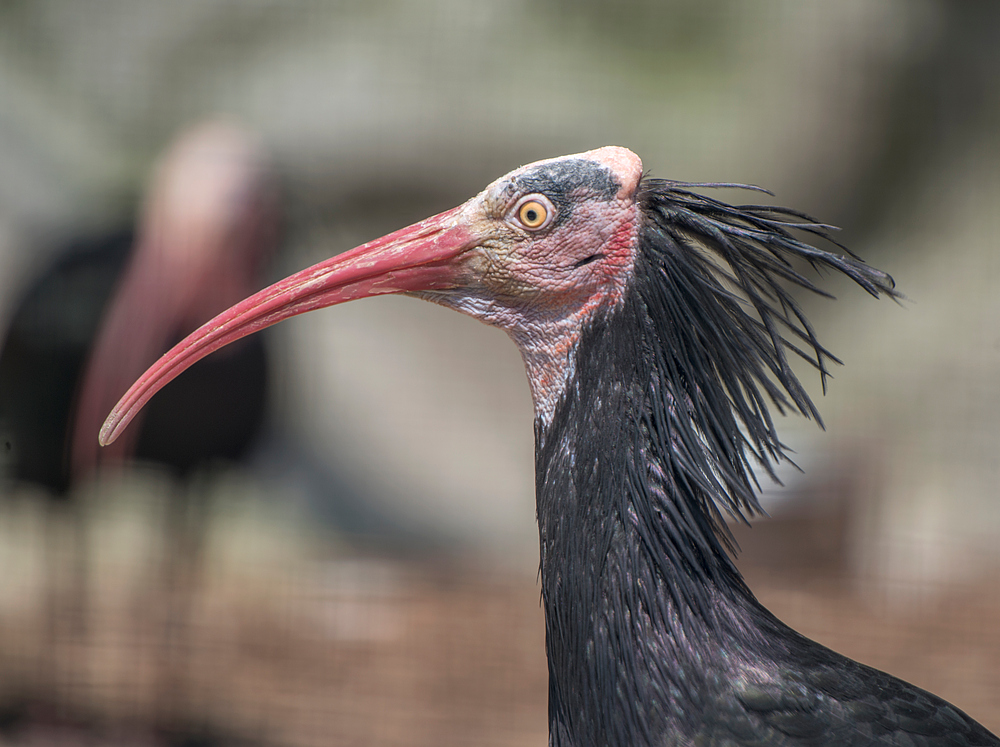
365, 572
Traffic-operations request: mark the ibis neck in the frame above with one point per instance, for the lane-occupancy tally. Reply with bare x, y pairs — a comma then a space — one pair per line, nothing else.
637, 588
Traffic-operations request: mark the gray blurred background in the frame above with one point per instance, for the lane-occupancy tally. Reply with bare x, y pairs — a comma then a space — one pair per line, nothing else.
365, 575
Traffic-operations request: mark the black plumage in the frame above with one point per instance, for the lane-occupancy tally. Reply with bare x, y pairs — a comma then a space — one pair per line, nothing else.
653, 637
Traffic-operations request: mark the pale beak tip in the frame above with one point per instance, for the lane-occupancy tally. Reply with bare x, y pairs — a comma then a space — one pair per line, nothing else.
108, 432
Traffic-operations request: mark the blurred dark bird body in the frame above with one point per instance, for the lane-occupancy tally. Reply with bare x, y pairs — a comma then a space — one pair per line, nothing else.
44, 356
654, 324
44, 352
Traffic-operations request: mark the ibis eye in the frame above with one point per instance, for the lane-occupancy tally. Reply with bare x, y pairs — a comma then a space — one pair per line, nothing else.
534, 212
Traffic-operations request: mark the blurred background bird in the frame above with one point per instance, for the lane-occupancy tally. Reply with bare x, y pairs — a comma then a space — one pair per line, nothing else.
104, 312
208, 230
879, 118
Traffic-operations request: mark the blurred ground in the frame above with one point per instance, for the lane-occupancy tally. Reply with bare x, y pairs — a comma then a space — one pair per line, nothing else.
295, 642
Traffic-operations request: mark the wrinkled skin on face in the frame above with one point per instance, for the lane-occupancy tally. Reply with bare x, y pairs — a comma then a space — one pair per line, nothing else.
540, 285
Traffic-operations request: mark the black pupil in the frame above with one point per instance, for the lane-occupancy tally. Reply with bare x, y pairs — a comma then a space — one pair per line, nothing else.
531, 215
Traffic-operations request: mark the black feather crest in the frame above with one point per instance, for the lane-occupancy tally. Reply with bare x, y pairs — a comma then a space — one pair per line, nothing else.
713, 278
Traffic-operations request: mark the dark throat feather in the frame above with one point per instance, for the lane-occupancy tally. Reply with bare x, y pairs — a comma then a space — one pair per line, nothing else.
653, 442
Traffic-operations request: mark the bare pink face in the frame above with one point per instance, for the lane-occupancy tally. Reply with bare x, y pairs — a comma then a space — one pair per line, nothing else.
535, 253
559, 240
553, 232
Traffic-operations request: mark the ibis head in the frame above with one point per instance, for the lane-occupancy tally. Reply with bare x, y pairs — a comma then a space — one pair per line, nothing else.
535, 253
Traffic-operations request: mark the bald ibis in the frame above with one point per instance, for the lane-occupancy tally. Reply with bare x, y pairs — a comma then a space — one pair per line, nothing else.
654, 323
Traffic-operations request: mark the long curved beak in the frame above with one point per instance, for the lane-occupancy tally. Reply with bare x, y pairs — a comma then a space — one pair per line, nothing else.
415, 258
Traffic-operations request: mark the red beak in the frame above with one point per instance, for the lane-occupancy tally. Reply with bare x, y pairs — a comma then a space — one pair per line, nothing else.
415, 258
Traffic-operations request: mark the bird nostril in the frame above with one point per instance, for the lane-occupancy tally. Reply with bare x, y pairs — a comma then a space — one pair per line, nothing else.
588, 260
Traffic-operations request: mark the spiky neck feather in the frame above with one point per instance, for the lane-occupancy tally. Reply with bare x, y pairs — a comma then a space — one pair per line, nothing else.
651, 440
